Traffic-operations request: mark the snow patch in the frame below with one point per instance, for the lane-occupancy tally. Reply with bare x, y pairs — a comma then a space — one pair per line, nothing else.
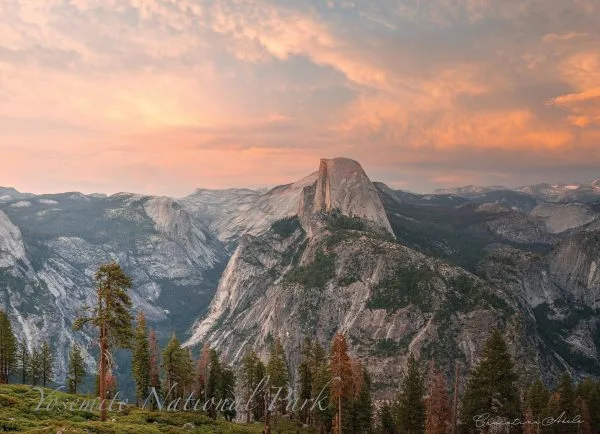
48, 202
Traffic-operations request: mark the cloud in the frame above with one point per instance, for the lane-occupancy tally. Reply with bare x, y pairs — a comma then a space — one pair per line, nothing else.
155, 90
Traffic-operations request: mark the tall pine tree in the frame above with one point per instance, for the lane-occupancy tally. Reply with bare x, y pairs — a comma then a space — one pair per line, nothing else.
8, 348
409, 409
278, 374
111, 317
23, 361
47, 364
155, 362
492, 387
140, 362
35, 366
342, 387
76, 370
438, 412
249, 382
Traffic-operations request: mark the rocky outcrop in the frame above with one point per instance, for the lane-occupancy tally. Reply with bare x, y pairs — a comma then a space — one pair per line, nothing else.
342, 185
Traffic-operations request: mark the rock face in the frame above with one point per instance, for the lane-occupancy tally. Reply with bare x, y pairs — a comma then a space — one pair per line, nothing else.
398, 272
50, 250
342, 185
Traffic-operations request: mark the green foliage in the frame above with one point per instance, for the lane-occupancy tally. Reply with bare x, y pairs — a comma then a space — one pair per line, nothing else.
286, 226
76, 370
536, 399
277, 368
112, 311
178, 369
387, 347
409, 408
252, 373
8, 348
492, 386
141, 359
316, 274
554, 331
386, 419
47, 364
407, 285
20, 416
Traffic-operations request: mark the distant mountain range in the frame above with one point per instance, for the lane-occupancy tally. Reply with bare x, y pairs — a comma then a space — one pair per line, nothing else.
398, 272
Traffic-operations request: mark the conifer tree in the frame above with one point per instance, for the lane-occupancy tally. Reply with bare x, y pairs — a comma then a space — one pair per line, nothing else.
586, 421
214, 382
8, 348
111, 317
249, 381
228, 392
35, 366
537, 400
305, 378
23, 361
409, 411
386, 419
47, 364
177, 368
566, 404
141, 359
342, 387
491, 389
437, 404
589, 390
154, 352
278, 374
362, 405
202, 371
322, 415
76, 370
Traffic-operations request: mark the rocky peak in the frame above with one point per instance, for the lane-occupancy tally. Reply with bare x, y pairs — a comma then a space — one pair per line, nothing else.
343, 185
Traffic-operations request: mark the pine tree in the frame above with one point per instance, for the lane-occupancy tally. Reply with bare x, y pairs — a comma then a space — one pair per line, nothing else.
566, 403
586, 421
228, 392
111, 317
202, 371
278, 374
214, 382
47, 364
154, 352
342, 387
438, 412
35, 371
321, 415
8, 348
589, 390
23, 361
249, 381
409, 409
386, 419
305, 378
491, 388
537, 400
177, 367
141, 359
362, 405
76, 370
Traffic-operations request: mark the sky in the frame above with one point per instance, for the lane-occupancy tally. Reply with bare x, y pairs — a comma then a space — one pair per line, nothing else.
166, 96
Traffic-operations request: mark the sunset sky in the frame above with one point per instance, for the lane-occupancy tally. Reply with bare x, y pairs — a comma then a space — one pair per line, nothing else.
164, 96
